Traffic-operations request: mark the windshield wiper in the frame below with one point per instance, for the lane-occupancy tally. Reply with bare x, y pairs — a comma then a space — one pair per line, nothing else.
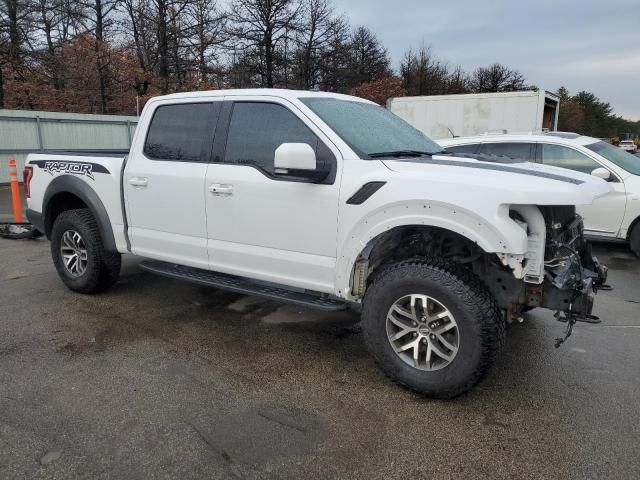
400, 153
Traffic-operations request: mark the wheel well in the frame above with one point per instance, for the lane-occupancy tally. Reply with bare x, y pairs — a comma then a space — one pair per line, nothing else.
415, 241
422, 241
60, 202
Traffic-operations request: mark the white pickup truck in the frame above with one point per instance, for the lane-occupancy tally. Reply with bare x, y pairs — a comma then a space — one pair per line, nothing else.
329, 201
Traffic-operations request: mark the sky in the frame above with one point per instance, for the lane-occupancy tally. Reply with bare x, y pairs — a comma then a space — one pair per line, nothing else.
591, 45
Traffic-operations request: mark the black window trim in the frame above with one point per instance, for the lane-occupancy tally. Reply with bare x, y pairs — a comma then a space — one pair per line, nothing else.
474, 144
205, 149
219, 146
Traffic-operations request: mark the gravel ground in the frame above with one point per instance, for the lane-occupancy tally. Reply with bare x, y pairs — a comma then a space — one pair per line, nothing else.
163, 379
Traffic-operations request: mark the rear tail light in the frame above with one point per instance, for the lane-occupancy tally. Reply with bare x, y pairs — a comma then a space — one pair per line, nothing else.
27, 175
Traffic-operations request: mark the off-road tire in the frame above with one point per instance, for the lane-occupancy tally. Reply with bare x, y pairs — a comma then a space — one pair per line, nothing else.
634, 239
102, 268
481, 327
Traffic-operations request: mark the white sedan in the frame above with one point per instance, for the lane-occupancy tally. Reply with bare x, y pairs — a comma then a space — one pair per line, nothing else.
628, 145
614, 217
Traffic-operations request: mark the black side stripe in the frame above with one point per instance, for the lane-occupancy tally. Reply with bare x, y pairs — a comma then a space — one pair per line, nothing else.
499, 168
95, 167
364, 193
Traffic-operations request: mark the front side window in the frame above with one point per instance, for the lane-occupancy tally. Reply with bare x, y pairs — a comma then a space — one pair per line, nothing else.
179, 132
565, 157
516, 151
257, 129
369, 129
619, 157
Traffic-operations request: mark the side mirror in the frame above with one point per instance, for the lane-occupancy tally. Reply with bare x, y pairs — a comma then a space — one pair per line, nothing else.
602, 173
299, 160
294, 156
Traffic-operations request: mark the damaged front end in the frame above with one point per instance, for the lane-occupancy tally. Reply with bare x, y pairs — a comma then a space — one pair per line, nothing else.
558, 271
573, 274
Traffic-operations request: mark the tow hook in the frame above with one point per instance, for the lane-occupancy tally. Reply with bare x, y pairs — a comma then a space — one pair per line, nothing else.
571, 318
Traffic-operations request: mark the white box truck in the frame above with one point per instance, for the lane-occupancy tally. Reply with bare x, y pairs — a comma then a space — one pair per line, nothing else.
447, 116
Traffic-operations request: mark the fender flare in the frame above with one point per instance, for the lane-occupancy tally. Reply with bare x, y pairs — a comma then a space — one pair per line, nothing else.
75, 186
502, 236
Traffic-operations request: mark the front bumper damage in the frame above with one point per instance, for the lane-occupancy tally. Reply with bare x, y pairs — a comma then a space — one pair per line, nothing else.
573, 275
571, 287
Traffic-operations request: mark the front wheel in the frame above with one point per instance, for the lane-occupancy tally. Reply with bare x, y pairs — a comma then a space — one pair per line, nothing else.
432, 327
82, 262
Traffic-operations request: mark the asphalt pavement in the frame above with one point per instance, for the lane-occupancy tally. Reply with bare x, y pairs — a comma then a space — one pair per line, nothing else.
163, 379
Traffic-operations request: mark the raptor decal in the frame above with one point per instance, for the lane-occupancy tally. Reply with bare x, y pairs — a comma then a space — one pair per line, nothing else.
86, 169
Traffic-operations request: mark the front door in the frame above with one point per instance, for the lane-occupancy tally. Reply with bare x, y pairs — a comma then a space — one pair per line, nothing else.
164, 184
604, 216
263, 225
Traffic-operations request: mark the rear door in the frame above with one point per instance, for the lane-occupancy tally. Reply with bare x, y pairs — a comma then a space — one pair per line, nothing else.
267, 226
164, 183
604, 216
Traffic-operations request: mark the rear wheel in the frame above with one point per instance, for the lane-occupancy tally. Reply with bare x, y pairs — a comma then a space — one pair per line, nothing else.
634, 239
79, 255
432, 327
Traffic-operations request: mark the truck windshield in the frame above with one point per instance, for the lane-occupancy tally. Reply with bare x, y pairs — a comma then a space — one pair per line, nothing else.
371, 130
616, 155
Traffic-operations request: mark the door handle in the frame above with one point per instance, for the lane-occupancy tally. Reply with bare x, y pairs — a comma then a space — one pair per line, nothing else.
138, 181
221, 189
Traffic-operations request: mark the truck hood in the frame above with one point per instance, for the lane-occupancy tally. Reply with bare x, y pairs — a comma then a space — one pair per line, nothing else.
531, 182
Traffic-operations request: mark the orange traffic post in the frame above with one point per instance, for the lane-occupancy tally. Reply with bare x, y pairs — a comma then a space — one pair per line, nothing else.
15, 191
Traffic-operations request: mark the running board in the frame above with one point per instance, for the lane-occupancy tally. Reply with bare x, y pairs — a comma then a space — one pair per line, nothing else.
244, 285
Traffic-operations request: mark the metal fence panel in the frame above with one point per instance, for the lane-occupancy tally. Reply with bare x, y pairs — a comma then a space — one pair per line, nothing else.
23, 132
83, 136
18, 133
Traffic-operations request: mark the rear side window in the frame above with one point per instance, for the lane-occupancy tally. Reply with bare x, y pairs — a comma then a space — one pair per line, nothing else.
565, 157
257, 129
517, 151
179, 132
472, 148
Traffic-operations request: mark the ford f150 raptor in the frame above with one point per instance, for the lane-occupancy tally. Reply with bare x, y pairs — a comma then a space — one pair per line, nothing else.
328, 201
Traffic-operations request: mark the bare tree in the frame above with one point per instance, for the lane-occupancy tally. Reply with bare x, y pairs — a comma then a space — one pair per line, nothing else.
422, 73
334, 69
318, 27
89, 55
497, 78
97, 20
138, 29
207, 34
260, 28
55, 23
15, 27
458, 81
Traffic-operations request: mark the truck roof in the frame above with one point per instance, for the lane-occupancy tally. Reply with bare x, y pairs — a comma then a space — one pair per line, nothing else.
271, 92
